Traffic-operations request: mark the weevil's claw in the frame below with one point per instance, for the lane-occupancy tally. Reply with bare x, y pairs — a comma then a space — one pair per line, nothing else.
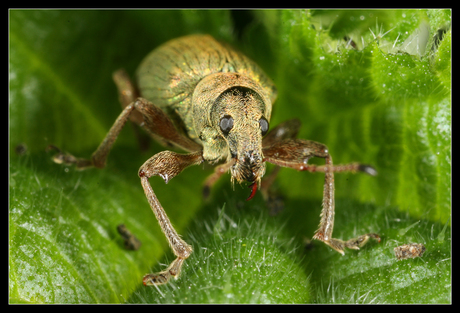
367, 169
253, 191
163, 277
376, 237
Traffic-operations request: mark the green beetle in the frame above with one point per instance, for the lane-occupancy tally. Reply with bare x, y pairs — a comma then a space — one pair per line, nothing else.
218, 97
202, 96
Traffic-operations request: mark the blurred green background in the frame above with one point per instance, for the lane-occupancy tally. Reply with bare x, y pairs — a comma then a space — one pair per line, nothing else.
374, 85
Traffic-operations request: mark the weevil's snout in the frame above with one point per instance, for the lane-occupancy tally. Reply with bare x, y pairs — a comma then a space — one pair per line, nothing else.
245, 146
249, 166
240, 115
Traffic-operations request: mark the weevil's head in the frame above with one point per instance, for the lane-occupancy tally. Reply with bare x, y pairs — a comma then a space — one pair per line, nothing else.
239, 115
231, 112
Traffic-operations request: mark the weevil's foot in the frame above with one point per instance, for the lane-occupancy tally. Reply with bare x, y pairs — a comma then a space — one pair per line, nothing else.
340, 245
165, 276
68, 159
61, 157
156, 279
336, 244
367, 169
360, 241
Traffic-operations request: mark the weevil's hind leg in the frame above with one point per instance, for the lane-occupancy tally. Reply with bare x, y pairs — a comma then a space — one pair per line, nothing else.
163, 277
99, 156
127, 93
295, 153
167, 164
156, 123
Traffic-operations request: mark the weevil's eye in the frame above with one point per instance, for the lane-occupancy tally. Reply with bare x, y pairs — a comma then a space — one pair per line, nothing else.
263, 125
226, 124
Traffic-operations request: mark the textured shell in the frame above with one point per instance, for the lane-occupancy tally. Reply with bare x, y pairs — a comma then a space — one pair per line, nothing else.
169, 74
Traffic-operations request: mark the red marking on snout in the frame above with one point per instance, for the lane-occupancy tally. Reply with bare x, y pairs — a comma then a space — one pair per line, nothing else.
253, 192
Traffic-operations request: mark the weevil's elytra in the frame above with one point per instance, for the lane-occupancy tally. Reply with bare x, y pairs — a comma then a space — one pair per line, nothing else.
169, 77
204, 97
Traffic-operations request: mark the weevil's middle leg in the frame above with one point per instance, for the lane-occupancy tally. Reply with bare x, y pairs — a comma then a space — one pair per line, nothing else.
295, 153
167, 164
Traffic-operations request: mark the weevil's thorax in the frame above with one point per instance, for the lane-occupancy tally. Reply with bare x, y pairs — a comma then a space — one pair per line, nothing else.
231, 115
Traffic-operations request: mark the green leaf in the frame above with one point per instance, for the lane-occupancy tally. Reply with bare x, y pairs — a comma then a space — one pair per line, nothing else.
374, 85
239, 257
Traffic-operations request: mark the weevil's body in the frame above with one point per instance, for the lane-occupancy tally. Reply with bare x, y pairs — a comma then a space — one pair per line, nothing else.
178, 74
202, 96
197, 80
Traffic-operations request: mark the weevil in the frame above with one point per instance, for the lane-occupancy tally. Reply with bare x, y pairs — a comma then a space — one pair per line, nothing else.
204, 97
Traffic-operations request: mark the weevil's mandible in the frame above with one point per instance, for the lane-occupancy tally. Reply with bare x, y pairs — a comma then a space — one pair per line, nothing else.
200, 95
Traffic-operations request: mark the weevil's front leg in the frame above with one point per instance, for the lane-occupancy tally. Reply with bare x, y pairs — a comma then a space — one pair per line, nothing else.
167, 164
295, 153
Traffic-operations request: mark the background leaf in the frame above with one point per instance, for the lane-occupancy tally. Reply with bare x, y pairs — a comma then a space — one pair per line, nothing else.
374, 85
